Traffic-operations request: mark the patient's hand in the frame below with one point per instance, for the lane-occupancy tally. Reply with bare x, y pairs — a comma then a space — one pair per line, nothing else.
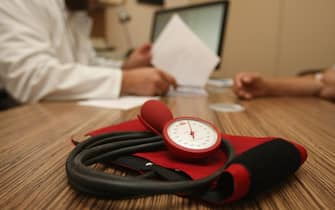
328, 85
249, 85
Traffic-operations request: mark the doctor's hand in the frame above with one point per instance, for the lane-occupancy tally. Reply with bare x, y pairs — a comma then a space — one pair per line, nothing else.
249, 85
147, 81
141, 57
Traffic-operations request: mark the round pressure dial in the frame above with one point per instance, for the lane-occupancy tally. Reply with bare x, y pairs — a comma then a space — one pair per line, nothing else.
191, 137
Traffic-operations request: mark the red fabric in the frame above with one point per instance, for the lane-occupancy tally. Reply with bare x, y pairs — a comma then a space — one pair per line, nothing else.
241, 177
196, 169
302, 151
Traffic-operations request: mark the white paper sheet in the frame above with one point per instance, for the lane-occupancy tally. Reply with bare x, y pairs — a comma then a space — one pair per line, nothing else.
181, 53
123, 103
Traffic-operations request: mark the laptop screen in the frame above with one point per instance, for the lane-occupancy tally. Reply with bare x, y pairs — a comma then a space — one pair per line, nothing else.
207, 21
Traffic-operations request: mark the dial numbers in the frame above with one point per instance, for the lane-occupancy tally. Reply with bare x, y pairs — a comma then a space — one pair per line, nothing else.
192, 134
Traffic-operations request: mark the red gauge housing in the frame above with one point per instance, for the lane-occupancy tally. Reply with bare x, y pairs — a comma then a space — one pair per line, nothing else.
191, 137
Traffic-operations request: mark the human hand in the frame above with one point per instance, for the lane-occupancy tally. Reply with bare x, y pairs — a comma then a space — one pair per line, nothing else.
249, 85
147, 81
328, 85
141, 57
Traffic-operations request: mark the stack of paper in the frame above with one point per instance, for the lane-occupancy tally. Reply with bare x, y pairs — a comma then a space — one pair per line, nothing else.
123, 103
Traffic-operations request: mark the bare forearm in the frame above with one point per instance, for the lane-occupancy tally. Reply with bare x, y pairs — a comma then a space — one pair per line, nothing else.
297, 86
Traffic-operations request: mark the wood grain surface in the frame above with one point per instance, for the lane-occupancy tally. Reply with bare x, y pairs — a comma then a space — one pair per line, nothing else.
35, 143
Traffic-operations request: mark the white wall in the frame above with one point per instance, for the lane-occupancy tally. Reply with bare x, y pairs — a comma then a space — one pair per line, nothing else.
274, 37
139, 26
251, 37
307, 35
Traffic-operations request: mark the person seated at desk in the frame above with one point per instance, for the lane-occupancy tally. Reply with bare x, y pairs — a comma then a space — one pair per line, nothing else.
251, 85
46, 54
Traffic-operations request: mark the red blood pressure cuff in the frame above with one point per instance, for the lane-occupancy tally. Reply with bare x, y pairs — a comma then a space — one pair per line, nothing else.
259, 163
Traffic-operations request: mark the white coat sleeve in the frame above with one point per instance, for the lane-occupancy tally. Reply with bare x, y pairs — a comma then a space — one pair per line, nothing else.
100, 61
31, 72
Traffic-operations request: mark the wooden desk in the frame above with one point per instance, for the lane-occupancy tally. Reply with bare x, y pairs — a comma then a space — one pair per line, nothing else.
35, 142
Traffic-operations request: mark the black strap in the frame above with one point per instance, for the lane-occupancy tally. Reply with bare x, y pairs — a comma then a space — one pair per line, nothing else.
144, 166
269, 163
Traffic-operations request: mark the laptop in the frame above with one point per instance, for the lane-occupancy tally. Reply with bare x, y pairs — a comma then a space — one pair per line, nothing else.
207, 21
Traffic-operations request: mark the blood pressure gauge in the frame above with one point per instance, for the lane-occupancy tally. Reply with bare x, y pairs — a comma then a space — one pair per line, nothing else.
191, 137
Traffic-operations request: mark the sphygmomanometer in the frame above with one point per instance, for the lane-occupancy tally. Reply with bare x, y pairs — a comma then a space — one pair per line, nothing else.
187, 156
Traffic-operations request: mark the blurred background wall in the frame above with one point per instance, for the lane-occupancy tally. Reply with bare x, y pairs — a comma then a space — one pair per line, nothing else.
274, 37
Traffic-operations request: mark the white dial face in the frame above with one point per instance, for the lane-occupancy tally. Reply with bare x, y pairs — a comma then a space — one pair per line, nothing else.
192, 134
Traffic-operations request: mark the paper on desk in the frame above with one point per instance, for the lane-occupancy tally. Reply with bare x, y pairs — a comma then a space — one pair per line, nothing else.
181, 53
187, 91
224, 83
124, 103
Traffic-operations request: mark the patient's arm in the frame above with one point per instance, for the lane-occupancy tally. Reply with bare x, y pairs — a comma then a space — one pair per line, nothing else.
251, 85
328, 85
